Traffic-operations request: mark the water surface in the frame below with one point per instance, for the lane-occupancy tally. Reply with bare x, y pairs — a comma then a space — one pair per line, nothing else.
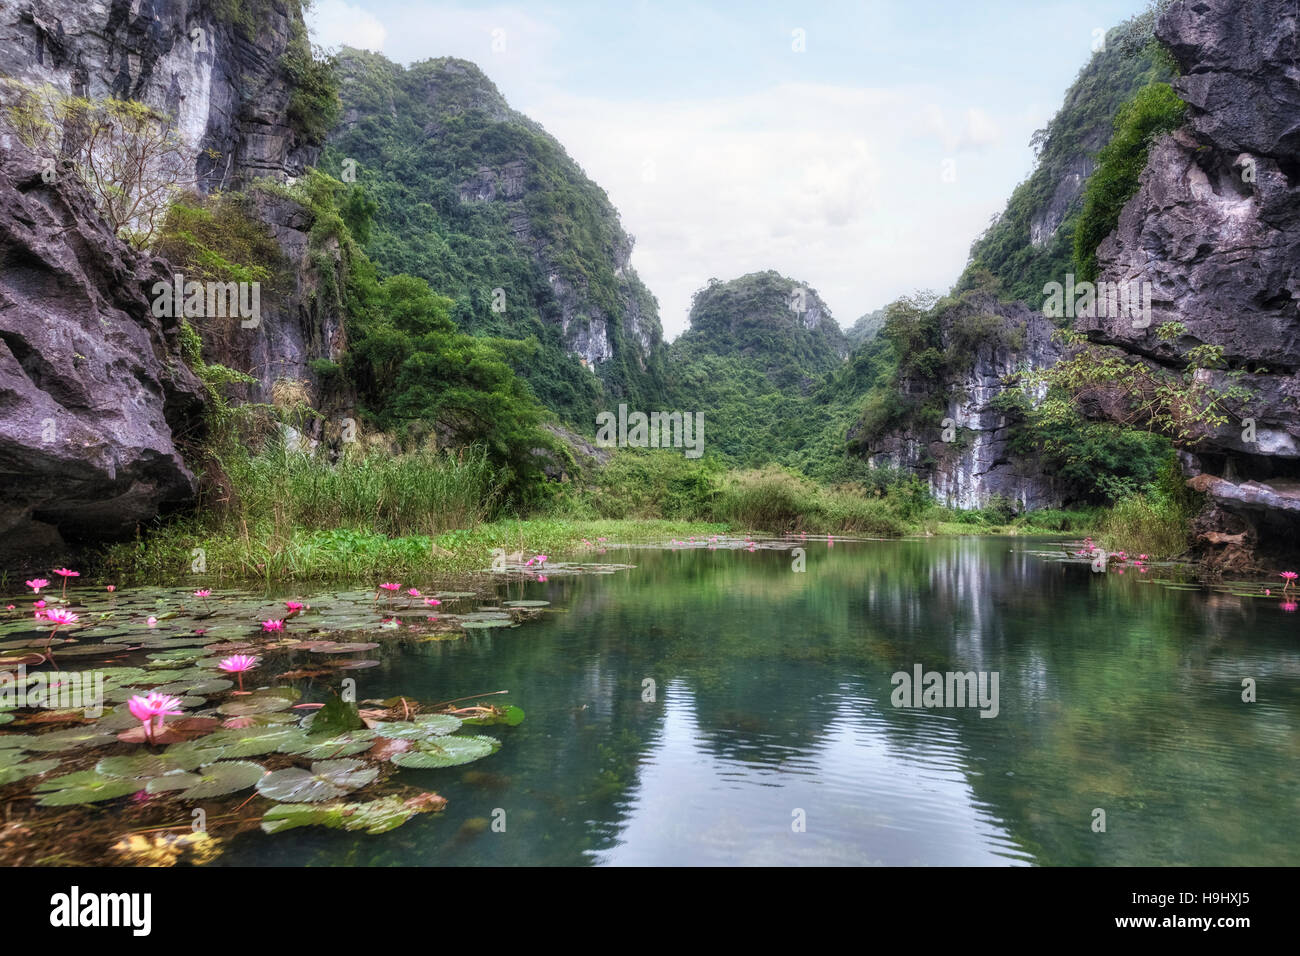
772, 704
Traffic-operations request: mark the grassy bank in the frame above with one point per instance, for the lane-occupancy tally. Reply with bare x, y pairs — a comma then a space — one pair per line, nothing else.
279, 515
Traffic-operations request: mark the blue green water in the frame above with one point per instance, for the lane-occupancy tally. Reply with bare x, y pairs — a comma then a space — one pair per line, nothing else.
772, 707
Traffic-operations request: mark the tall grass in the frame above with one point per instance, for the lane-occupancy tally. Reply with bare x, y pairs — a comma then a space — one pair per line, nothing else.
422, 492
1146, 524
776, 500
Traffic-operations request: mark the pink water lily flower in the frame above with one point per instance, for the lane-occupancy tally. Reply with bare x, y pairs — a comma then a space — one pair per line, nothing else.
294, 606
38, 604
37, 583
273, 625
432, 602
237, 664
59, 616
111, 588
413, 592
66, 573
150, 709
1287, 576
390, 586
203, 593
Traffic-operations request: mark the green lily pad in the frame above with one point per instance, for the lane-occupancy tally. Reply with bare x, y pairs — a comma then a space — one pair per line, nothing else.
219, 779
525, 603
323, 748
446, 752
255, 741
13, 772
375, 816
423, 727
144, 765
262, 702
326, 780
509, 715
471, 625
73, 739
85, 786
336, 717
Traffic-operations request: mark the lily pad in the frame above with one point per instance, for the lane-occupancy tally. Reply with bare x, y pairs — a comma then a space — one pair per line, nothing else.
374, 816
525, 603
144, 765
326, 780
509, 715
227, 776
13, 768
262, 702
422, 728
72, 739
85, 786
322, 748
446, 752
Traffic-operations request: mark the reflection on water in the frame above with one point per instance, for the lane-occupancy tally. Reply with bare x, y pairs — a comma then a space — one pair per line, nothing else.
771, 714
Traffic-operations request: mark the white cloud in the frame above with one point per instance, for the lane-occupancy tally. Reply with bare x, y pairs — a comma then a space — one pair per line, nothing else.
828, 185
334, 23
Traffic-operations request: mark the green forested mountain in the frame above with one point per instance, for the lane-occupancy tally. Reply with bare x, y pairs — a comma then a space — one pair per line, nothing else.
1031, 242
487, 207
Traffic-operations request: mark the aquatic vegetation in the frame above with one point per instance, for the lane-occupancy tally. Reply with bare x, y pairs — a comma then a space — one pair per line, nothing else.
173, 730
237, 664
1289, 577
152, 709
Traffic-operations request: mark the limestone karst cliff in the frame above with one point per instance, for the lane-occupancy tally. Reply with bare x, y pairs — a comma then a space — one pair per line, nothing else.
1215, 228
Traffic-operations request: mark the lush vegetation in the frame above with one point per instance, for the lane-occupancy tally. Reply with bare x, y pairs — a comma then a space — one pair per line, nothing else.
1032, 242
512, 251
1154, 110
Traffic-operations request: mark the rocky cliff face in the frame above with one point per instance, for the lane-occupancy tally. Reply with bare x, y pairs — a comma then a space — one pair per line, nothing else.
967, 461
93, 396
1215, 228
96, 399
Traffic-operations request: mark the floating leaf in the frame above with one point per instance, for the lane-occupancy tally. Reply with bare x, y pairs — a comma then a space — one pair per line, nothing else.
144, 765
85, 786
72, 739
174, 731
525, 603
326, 779
227, 776
423, 727
375, 816
337, 716
262, 702
255, 741
13, 768
446, 752
509, 715
323, 748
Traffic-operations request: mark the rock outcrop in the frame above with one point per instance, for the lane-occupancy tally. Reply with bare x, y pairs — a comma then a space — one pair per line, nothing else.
97, 402
1215, 229
93, 396
966, 460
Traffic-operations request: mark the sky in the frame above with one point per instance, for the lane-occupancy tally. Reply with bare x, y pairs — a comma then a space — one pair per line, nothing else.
856, 147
